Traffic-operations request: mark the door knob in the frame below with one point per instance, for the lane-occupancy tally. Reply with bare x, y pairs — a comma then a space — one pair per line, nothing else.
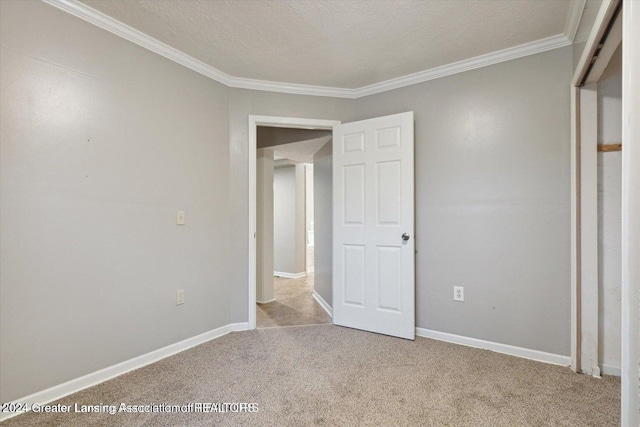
405, 237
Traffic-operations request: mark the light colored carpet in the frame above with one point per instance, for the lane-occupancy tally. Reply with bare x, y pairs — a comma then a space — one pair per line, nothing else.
333, 376
294, 305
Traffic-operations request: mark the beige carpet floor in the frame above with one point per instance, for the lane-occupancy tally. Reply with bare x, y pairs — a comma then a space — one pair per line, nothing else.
333, 376
294, 305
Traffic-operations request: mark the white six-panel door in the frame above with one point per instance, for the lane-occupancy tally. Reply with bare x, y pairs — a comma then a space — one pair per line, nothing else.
373, 207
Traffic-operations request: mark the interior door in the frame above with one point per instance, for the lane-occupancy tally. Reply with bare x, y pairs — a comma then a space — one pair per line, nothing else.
373, 225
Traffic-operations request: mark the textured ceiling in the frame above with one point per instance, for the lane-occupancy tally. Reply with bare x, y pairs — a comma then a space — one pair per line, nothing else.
337, 43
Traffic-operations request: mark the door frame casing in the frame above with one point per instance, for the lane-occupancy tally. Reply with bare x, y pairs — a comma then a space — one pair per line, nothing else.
584, 178
268, 121
630, 213
630, 351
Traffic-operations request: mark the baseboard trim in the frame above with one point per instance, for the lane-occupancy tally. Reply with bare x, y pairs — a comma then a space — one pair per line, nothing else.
611, 370
526, 353
289, 275
95, 378
266, 302
323, 303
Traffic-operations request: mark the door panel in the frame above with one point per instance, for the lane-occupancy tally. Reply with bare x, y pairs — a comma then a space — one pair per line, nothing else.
354, 274
389, 200
373, 194
389, 278
354, 195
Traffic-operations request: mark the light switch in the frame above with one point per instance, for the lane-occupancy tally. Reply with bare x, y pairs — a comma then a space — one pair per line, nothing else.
180, 218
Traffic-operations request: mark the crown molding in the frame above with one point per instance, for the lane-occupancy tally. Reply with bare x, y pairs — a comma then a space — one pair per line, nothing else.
573, 20
298, 89
99, 19
538, 46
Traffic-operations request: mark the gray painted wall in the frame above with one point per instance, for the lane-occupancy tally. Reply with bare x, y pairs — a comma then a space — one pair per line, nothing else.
284, 216
101, 142
289, 239
269, 136
265, 290
492, 199
610, 215
300, 220
99, 151
323, 223
308, 215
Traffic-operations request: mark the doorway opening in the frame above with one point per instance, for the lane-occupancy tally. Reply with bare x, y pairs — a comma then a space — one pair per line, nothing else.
369, 229
283, 149
285, 218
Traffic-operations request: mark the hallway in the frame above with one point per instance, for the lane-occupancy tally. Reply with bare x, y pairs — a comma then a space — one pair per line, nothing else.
294, 305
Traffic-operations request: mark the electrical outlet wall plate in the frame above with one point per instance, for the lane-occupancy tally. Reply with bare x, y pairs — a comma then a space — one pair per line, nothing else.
458, 293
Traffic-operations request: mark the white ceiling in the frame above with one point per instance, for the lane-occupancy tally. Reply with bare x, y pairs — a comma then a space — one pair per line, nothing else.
339, 43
